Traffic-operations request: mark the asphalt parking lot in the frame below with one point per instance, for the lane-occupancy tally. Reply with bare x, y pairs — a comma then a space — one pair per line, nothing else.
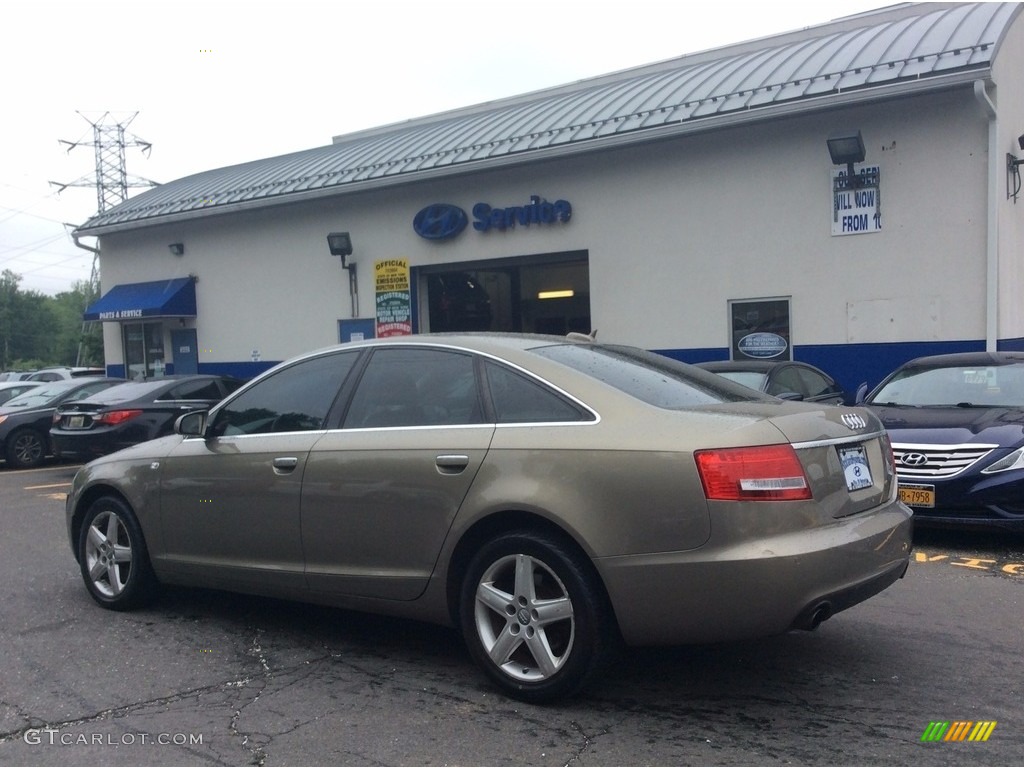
205, 678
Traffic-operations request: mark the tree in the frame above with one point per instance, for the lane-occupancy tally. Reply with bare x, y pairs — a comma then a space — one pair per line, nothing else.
78, 342
46, 330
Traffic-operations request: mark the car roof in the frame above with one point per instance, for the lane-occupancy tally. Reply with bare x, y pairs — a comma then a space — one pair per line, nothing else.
494, 342
967, 358
145, 386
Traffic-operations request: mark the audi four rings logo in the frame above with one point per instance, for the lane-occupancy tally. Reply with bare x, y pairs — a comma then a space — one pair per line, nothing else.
914, 460
440, 221
853, 421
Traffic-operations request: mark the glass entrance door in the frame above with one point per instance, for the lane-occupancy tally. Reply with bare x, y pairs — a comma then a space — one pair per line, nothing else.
143, 350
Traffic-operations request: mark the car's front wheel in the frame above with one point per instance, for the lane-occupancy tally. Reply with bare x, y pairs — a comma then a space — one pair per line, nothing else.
112, 556
534, 617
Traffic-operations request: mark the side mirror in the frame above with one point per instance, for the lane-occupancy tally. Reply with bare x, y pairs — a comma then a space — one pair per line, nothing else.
191, 424
862, 392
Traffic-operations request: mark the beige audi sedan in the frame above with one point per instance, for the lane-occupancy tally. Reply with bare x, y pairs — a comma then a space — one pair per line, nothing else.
551, 497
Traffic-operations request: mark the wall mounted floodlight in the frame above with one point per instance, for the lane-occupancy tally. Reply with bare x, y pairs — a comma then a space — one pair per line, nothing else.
178, 249
340, 244
847, 149
1013, 172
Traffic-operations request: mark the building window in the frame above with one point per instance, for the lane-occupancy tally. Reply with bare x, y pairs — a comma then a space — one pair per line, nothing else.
760, 329
143, 350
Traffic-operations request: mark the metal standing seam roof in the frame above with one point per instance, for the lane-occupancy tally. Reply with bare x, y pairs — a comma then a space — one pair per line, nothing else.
919, 46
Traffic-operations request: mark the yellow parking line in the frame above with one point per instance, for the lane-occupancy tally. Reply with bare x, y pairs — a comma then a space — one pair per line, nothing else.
40, 487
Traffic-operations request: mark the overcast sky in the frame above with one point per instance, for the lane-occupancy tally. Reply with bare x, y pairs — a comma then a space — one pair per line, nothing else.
219, 82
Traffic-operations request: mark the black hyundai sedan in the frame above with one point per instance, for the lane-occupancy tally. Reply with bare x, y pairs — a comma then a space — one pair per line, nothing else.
132, 413
957, 428
25, 420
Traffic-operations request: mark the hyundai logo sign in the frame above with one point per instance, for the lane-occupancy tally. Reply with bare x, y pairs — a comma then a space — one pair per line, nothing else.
440, 221
914, 459
762, 345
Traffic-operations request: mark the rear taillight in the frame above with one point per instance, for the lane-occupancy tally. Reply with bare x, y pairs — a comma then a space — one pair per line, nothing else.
887, 453
110, 418
761, 473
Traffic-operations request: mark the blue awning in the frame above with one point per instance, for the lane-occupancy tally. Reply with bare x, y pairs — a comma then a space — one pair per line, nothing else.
135, 301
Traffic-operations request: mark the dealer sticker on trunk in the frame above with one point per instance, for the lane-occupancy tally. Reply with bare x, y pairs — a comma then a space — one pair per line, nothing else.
855, 467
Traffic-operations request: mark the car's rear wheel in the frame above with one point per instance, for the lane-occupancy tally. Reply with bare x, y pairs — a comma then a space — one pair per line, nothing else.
26, 448
534, 617
112, 556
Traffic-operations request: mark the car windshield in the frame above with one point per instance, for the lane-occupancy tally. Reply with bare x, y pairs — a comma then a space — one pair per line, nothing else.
652, 378
39, 396
960, 385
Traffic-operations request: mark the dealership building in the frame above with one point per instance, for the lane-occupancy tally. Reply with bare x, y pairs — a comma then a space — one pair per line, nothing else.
848, 195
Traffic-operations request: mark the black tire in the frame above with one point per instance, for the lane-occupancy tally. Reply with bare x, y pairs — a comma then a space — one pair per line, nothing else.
113, 558
538, 638
26, 448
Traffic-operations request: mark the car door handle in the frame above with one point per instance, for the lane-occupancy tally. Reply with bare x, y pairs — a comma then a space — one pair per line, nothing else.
285, 464
451, 463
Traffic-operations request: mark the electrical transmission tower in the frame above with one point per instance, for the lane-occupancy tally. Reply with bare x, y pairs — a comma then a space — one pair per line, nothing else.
111, 179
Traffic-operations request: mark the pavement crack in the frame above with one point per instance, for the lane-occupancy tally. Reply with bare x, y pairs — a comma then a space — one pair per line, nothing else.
249, 741
584, 747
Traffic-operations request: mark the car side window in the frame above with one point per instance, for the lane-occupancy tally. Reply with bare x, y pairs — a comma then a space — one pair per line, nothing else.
295, 399
815, 384
518, 399
403, 387
787, 379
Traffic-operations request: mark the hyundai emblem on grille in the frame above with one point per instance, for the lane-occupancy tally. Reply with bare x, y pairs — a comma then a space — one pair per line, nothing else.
853, 421
914, 460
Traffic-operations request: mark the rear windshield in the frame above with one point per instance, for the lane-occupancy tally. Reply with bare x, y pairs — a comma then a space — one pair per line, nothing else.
652, 378
752, 379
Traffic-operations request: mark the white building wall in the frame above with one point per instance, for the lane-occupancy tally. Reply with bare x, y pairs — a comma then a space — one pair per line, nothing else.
1009, 98
674, 230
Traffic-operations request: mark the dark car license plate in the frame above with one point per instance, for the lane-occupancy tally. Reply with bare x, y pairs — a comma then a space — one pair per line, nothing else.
917, 495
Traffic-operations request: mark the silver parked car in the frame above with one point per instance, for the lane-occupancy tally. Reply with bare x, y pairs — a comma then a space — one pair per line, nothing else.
548, 496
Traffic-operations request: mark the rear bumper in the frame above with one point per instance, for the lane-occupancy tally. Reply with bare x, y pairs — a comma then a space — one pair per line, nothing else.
83, 445
973, 500
760, 588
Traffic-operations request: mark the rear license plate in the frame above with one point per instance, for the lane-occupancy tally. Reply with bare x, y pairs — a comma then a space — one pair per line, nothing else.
76, 422
855, 467
917, 495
